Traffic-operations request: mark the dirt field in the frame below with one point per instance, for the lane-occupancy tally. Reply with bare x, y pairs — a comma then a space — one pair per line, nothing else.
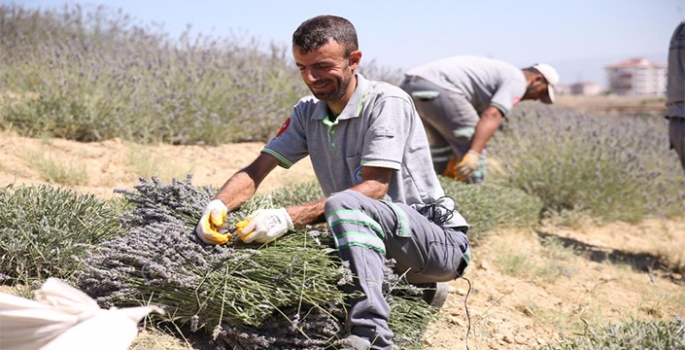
529, 287
614, 104
115, 164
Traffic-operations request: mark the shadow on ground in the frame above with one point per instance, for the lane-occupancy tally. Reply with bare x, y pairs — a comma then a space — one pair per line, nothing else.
645, 262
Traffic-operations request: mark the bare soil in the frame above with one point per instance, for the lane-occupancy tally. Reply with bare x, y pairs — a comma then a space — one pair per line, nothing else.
528, 287
115, 164
614, 104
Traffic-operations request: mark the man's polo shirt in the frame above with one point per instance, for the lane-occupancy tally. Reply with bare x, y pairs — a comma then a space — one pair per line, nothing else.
378, 127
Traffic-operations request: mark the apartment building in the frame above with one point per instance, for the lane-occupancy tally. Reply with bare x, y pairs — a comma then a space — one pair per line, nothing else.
637, 76
586, 88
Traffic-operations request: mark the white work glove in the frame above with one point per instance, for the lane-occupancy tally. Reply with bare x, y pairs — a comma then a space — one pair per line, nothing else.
210, 224
266, 225
467, 166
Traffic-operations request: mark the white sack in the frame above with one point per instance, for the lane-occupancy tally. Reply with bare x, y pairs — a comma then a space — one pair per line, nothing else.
63, 317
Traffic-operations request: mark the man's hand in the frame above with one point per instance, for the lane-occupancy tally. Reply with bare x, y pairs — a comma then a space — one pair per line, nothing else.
210, 224
266, 225
467, 166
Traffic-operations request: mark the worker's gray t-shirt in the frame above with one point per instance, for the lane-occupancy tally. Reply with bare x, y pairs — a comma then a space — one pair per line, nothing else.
483, 81
675, 91
378, 127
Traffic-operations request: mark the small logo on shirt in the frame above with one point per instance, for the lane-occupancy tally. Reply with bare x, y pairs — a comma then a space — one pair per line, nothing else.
283, 128
516, 100
358, 175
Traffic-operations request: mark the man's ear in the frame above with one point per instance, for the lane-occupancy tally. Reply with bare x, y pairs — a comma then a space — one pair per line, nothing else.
354, 59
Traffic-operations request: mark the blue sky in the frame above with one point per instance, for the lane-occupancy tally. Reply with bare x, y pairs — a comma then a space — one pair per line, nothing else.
579, 37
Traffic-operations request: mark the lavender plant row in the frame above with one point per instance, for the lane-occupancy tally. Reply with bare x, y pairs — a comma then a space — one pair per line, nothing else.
610, 167
282, 295
90, 74
631, 334
489, 206
93, 73
43, 228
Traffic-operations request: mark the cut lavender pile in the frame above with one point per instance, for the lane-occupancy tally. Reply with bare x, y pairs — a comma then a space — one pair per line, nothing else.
281, 295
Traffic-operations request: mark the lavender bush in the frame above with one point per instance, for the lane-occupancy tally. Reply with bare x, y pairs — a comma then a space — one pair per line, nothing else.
609, 167
281, 295
44, 229
489, 206
629, 335
92, 74
376, 71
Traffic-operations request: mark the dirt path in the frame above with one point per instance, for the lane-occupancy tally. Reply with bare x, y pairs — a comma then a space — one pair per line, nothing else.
529, 287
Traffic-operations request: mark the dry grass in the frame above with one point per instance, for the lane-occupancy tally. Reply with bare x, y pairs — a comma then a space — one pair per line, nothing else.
153, 338
18, 290
546, 262
512, 262
54, 170
529, 291
659, 244
614, 103
147, 162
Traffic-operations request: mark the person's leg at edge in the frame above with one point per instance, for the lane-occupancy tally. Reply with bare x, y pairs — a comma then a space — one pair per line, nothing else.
676, 133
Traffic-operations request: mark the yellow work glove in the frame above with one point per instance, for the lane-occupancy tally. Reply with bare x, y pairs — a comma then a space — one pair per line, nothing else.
265, 225
210, 224
449, 169
467, 166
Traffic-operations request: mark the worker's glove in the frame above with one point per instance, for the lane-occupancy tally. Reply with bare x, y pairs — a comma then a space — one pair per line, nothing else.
467, 166
449, 169
210, 224
266, 225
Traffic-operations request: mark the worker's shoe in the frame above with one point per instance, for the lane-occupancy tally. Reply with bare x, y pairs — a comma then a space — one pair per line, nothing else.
354, 342
435, 293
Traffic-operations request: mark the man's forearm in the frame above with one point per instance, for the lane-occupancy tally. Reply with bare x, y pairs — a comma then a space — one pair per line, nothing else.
243, 184
313, 212
487, 126
308, 213
239, 188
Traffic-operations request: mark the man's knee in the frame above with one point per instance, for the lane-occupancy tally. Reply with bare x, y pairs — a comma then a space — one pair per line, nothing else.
348, 199
340, 200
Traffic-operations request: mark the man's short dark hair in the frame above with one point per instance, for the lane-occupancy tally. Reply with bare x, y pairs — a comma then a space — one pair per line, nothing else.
532, 70
316, 32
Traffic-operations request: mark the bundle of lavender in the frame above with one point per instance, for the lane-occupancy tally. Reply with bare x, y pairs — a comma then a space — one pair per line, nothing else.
281, 295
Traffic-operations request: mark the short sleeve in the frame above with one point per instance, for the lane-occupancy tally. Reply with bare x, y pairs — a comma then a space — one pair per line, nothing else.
386, 137
290, 143
508, 95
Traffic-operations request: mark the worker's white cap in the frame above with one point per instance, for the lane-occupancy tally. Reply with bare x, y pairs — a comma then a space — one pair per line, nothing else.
552, 78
